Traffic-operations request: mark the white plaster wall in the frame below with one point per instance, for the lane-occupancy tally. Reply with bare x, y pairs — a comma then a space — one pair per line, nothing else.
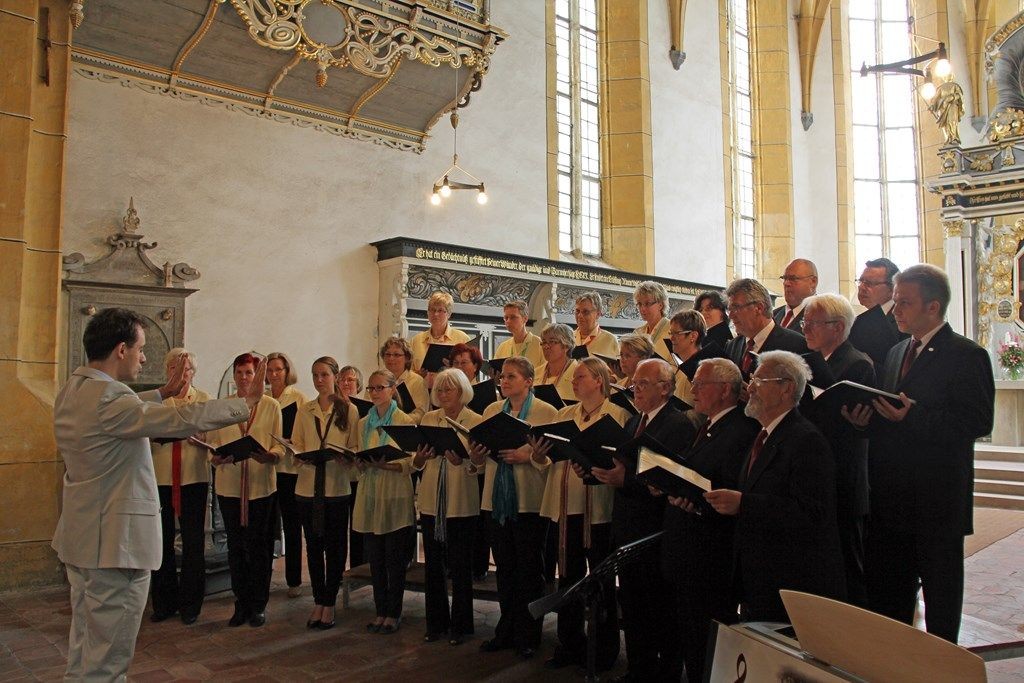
686, 123
279, 219
815, 210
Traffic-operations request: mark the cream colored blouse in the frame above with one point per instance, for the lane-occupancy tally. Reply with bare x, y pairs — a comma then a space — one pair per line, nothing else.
338, 476
419, 343
562, 477
462, 486
384, 500
661, 332
262, 478
529, 349
195, 463
289, 396
420, 395
603, 343
530, 476
562, 382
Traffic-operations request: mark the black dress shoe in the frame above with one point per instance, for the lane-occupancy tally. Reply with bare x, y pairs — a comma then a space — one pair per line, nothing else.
494, 645
561, 659
238, 618
326, 625
429, 637
374, 628
258, 619
313, 623
189, 619
157, 617
456, 639
388, 629
526, 653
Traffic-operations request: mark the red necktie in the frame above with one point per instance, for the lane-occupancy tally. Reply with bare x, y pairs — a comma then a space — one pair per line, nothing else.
176, 478
748, 358
788, 317
908, 359
756, 449
642, 426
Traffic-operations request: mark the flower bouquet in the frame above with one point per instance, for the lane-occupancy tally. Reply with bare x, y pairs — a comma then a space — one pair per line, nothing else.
1011, 356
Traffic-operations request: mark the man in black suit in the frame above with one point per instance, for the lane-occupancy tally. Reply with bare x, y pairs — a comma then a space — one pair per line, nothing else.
874, 331
786, 533
921, 460
696, 548
750, 307
826, 324
799, 281
712, 306
636, 514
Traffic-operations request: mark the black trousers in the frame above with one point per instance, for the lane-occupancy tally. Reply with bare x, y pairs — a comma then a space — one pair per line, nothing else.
481, 540
519, 565
249, 556
897, 563
695, 603
572, 637
851, 542
184, 595
291, 524
388, 555
325, 551
551, 553
647, 613
356, 556
455, 556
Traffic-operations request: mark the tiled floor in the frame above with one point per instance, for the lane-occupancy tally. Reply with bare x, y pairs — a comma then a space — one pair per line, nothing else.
33, 637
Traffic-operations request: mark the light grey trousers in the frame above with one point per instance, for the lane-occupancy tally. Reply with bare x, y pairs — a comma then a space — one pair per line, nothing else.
106, 611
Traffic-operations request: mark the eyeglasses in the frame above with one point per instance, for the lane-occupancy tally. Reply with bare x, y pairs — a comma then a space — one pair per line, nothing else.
794, 278
378, 387
389, 354
872, 283
733, 308
697, 386
645, 384
760, 381
550, 342
810, 324
585, 311
508, 378
679, 333
647, 304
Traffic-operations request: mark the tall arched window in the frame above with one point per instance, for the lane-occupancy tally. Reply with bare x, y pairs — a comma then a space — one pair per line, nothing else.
742, 139
886, 177
576, 107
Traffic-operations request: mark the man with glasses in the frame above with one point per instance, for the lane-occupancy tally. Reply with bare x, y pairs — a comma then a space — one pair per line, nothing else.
799, 281
697, 548
875, 331
712, 306
826, 324
785, 506
636, 514
921, 460
750, 312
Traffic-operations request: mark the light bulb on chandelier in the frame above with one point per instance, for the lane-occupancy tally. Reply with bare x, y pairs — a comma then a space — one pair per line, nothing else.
481, 197
942, 68
446, 188
927, 91
435, 199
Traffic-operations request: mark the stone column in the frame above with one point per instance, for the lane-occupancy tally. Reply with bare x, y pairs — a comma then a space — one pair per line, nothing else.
34, 37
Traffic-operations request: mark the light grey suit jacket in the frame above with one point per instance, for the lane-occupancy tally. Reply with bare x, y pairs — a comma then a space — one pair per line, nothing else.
110, 514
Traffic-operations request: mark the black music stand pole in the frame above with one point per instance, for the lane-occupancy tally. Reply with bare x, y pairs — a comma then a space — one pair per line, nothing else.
588, 591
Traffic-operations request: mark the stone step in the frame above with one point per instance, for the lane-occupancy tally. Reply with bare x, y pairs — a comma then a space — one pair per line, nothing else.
1000, 486
999, 500
987, 451
999, 469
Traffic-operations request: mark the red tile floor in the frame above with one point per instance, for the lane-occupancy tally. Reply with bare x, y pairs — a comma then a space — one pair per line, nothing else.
33, 635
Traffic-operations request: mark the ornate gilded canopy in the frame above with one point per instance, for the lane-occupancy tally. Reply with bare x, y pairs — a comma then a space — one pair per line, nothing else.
369, 69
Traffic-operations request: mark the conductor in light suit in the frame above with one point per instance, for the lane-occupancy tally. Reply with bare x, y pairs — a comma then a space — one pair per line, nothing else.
108, 535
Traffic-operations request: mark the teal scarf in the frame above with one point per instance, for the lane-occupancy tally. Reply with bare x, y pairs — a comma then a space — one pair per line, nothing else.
504, 499
374, 421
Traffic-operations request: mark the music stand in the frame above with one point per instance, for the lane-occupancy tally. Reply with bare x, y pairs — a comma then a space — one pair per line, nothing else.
588, 591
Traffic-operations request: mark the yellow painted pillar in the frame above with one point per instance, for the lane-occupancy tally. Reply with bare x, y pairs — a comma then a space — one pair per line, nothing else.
627, 197
849, 269
769, 27
931, 20
34, 37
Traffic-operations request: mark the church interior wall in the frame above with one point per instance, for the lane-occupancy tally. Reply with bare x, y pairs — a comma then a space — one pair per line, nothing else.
815, 212
278, 219
686, 119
